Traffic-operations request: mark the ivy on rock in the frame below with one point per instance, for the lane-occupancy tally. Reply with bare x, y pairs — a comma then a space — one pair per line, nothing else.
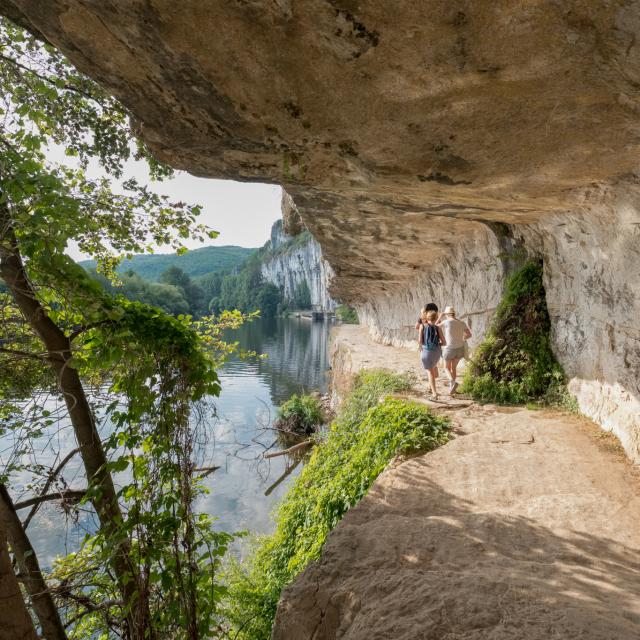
515, 362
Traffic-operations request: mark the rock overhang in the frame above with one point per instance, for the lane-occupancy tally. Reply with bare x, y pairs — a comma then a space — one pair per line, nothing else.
403, 132
373, 110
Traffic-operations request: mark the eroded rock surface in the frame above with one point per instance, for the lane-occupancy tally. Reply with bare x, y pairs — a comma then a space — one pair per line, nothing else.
400, 129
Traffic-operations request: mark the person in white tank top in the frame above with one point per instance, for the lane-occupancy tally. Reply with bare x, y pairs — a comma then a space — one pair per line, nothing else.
455, 333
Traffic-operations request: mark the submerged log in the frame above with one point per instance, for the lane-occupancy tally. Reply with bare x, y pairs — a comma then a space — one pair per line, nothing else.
295, 447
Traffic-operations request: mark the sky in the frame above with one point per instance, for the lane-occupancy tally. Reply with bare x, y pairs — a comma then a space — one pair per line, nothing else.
242, 213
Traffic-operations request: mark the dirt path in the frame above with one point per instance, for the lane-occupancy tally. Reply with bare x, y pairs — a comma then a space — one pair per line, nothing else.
525, 526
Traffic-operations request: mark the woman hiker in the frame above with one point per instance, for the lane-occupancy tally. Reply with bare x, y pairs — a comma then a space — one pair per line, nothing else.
430, 306
455, 333
430, 341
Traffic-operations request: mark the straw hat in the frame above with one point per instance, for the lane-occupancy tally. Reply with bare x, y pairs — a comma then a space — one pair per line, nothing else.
449, 311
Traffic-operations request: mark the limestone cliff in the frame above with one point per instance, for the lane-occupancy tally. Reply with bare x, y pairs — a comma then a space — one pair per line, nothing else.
291, 261
402, 132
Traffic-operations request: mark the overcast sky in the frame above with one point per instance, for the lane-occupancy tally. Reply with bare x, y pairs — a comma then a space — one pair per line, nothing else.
242, 213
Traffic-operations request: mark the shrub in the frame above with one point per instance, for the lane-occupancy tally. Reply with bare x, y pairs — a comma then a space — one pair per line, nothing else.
346, 314
515, 363
361, 442
300, 414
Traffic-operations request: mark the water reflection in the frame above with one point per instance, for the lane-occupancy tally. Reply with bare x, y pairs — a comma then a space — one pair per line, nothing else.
297, 355
296, 361
235, 430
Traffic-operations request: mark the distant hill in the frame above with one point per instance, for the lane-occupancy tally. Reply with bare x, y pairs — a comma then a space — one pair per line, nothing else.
196, 262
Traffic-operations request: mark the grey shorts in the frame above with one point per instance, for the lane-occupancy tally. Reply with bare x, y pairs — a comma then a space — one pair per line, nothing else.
430, 357
451, 353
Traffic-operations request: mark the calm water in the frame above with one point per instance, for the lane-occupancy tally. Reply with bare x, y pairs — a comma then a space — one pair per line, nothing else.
245, 488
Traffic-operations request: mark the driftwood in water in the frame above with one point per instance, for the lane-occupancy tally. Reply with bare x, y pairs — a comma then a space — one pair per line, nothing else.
287, 472
295, 447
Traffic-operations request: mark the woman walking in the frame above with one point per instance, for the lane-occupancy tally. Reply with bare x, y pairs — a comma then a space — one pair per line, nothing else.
430, 341
455, 333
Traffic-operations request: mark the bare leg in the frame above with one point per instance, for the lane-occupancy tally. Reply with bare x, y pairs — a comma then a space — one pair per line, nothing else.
447, 364
432, 380
454, 368
454, 371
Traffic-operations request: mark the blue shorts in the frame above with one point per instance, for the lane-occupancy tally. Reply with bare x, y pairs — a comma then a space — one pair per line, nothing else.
430, 357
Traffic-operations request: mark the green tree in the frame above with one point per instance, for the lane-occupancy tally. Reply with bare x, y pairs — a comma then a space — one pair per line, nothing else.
268, 299
149, 571
193, 294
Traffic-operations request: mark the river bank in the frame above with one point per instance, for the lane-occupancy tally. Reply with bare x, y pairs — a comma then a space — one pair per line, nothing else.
526, 524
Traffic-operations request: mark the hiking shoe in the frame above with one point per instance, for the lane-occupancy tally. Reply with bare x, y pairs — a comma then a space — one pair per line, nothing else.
454, 387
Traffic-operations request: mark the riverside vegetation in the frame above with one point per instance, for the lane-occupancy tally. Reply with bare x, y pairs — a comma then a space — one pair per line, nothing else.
301, 414
76, 356
369, 431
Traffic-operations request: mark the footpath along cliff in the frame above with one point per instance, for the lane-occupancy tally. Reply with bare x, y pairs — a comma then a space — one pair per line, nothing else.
525, 525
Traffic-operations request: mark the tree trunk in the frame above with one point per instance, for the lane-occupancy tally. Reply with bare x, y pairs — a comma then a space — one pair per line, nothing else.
59, 353
15, 621
25, 555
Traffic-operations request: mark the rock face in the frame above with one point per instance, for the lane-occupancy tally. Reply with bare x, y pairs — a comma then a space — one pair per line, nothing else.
297, 260
403, 132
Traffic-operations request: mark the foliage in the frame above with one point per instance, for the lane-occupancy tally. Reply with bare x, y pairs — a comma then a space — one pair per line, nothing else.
194, 262
245, 290
193, 294
141, 370
158, 366
368, 432
347, 314
515, 363
169, 298
300, 414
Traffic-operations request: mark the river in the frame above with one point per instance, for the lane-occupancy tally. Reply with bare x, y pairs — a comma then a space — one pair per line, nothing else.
245, 488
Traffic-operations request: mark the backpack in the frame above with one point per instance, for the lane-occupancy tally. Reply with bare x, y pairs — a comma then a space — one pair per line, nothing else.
430, 337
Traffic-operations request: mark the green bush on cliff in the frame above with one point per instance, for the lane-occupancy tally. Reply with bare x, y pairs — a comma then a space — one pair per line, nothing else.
368, 432
515, 364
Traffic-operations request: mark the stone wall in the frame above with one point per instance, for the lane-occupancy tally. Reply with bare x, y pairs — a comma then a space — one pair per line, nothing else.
591, 260
592, 281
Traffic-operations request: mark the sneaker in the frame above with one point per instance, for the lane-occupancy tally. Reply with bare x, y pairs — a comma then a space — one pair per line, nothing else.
433, 397
454, 387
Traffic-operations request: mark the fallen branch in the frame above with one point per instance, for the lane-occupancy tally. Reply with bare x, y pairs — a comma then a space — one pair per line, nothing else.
52, 476
295, 447
72, 495
205, 471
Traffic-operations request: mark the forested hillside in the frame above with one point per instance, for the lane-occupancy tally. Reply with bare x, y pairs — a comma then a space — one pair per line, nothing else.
208, 280
196, 262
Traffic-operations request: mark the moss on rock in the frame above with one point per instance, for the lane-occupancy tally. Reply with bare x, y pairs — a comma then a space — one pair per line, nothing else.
515, 363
